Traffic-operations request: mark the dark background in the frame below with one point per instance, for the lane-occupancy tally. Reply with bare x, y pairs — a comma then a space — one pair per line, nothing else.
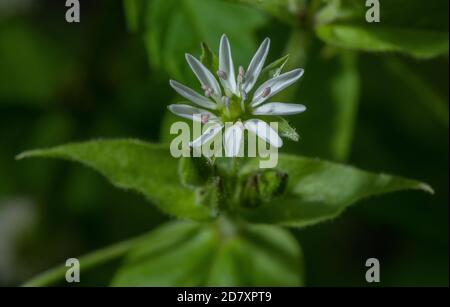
62, 82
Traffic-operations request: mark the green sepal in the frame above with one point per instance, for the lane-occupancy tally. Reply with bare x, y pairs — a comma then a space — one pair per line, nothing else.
274, 69
271, 70
194, 171
209, 195
209, 58
285, 130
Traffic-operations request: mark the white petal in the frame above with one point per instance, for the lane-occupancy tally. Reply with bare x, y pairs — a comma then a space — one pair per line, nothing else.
188, 112
264, 131
279, 108
226, 64
276, 85
232, 139
192, 95
208, 135
256, 65
203, 74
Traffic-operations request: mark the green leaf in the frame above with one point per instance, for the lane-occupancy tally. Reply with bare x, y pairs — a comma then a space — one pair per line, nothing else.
133, 11
175, 254
422, 91
174, 27
417, 28
159, 239
209, 58
330, 89
345, 91
34, 76
193, 254
316, 190
186, 254
133, 165
420, 44
287, 11
194, 171
319, 190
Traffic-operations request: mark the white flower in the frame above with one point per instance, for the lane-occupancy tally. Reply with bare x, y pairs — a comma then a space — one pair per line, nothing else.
230, 99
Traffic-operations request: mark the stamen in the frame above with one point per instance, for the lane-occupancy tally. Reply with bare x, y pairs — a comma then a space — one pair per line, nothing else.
241, 74
208, 90
241, 71
205, 118
222, 75
266, 92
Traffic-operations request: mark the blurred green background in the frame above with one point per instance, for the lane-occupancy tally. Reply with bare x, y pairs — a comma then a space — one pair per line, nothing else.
107, 77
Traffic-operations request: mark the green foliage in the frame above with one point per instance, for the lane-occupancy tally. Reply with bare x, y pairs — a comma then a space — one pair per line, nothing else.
192, 254
209, 58
345, 92
263, 186
185, 254
331, 91
319, 190
90, 263
75, 93
133, 13
426, 95
287, 11
129, 164
316, 189
194, 171
165, 24
413, 27
22, 76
